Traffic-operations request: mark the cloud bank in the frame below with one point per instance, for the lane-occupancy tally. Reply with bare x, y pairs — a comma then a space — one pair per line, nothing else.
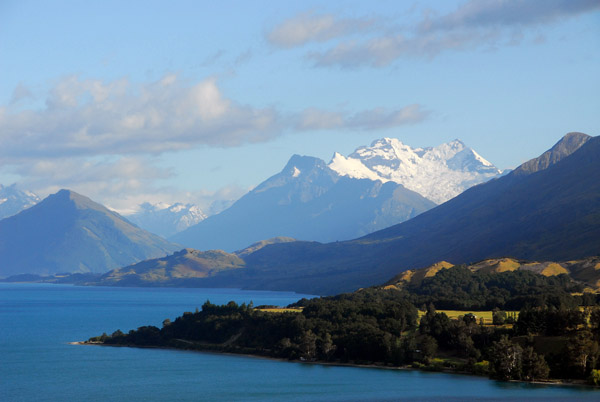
374, 119
310, 27
351, 43
104, 139
90, 117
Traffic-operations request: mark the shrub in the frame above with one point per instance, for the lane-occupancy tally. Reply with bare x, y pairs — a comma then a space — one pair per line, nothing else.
481, 368
594, 377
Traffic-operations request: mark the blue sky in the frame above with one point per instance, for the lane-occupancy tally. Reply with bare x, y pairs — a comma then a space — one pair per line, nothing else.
194, 101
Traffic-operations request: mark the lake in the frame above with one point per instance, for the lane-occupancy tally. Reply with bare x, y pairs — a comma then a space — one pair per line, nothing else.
37, 322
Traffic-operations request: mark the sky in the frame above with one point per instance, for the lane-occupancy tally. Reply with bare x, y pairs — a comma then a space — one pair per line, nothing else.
194, 101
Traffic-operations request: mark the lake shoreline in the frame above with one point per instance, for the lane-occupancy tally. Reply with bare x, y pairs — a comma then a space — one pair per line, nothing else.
553, 382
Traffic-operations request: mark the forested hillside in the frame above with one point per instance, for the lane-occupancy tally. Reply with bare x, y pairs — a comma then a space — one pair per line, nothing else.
541, 327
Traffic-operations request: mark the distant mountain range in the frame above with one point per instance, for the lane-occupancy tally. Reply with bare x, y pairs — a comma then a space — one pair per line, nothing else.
373, 188
551, 213
437, 173
67, 232
166, 220
311, 200
162, 219
13, 200
548, 209
307, 200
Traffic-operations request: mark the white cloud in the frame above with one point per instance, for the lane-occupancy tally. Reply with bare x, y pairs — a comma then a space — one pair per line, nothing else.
90, 117
315, 119
105, 139
381, 118
97, 177
490, 13
474, 24
93, 118
311, 27
120, 183
368, 120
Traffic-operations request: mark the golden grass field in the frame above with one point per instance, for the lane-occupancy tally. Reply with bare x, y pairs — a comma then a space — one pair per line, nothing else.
281, 310
454, 314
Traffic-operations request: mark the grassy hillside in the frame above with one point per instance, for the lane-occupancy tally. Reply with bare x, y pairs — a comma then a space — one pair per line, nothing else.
586, 271
173, 269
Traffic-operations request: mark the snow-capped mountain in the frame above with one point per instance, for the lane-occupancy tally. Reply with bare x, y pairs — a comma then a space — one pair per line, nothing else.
437, 173
13, 200
307, 201
165, 219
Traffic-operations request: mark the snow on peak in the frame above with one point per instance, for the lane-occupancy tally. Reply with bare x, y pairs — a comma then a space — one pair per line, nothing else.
352, 167
13, 200
296, 172
166, 219
437, 173
178, 207
483, 161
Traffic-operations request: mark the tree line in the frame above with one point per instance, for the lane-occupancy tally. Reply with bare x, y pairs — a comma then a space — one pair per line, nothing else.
557, 338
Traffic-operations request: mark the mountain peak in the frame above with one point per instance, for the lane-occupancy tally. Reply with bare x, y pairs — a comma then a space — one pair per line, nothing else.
302, 162
166, 219
13, 200
568, 144
68, 232
64, 196
456, 143
299, 166
437, 173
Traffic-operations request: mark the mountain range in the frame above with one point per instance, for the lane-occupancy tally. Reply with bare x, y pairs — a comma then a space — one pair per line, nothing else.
307, 200
437, 173
548, 209
67, 232
311, 200
373, 188
551, 212
164, 219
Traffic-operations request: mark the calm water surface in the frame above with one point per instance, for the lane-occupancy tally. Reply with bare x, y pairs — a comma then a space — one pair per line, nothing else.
37, 364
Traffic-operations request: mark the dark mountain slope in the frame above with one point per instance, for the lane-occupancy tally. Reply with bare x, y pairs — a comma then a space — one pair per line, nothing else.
68, 232
565, 147
551, 214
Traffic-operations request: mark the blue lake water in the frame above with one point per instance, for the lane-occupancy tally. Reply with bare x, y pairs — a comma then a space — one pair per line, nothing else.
37, 322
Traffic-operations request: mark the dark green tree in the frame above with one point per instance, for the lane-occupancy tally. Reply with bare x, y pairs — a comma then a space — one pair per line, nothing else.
428, 346
505, 359
308, 345
582, 352
533, 366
